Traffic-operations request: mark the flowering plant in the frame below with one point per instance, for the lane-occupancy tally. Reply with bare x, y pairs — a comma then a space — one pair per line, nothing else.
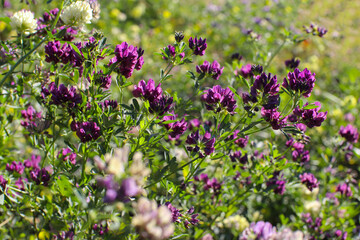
97, 152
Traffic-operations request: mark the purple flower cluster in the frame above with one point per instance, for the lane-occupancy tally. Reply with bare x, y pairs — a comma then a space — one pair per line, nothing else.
198, 45
62, 95
292, 63
100, 228
159, 103
214, 69
238, 157
174, 212
217, 99
299, 151
176, 128
274, 118
209, 184
190, 218
350, 133
148, 91
277, 183
114, 192
103, 81
310, 117
262, 231
311, 224
245, 71
241, 142
309, 180
204, 145
171, 53
300, 82
56, 53
3, 182
31, 117
69, 235
40, 176
67, 155
127, 58
315, 30
15, 167
33, 162
37, 174
344, 189
86, 131
268, 86
108, 103
69, 35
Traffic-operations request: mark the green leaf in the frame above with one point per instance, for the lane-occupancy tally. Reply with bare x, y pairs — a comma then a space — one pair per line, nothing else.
5, 19
65, 186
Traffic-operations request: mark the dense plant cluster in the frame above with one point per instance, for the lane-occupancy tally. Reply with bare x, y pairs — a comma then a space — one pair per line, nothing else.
90, 150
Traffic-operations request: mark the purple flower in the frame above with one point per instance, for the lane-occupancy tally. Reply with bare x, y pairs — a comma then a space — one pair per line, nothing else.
217, 99
315, 30
67, 155
241, 142
108, 103
174, 212
311, 117
236, 56
245, 71
87, 131
300, 82
238, 157
33, 120
176, 128
214, 69
69, 235
127, 189
33, 162
205, 143
212, 184
198, 45
170, 52
192, 219
40, 176
309, 180
100, 228
274, 118
64, 96
3, 182
148, 91
292, 63
56, 53
266, 84
128, 58
161, 105
103, 81
350, 133
262, 230
20, 183
15, 167
277, 183
344, 189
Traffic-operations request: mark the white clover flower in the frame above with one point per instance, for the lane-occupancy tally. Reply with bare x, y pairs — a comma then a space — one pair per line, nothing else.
23, 21
312, 207
77, 14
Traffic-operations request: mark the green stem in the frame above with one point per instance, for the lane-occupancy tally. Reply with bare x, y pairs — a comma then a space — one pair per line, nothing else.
274, 55
188, 178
